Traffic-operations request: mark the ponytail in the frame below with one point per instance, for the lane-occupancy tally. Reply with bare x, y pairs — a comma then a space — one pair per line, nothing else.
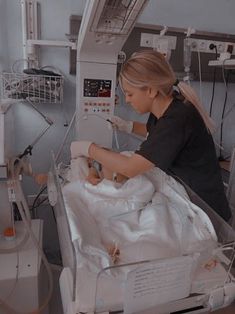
150, 68
190, 95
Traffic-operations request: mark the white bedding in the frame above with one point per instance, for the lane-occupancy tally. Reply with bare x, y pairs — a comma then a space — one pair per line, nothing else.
148, 217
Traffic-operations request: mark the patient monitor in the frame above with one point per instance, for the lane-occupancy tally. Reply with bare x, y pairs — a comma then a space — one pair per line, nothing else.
105, 27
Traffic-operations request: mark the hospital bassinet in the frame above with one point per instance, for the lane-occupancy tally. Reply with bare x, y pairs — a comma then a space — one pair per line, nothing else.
140, 288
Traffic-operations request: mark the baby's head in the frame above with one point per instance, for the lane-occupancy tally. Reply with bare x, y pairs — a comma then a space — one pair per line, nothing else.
98, 172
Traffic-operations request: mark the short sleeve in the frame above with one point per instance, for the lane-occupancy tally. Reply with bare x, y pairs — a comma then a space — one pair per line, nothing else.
164, 142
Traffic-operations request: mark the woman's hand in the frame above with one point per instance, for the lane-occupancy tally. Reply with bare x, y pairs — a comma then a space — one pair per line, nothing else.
138, 128
80, 148
122, 125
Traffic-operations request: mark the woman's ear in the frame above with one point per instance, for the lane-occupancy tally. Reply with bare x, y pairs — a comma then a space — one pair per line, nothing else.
152, 92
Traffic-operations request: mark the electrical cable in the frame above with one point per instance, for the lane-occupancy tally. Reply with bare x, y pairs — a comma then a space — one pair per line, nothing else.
223, 74
225, 115
36, 198
200, 74
17, 61
53, 212
38, 195
38, 205
212, 46
221, 158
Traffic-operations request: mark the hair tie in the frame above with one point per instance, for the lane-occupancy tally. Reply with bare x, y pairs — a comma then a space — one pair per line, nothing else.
176, 91
176, 82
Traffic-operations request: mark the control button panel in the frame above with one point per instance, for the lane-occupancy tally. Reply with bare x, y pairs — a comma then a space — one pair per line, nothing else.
97, 107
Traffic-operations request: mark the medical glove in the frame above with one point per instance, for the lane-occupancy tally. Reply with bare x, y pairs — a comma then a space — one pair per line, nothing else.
79, 148
122, 125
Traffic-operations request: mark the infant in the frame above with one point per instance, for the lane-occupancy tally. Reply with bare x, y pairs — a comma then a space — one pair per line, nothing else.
97, 173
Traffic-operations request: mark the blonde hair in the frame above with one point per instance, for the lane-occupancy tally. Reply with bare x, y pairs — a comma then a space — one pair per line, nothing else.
149, 68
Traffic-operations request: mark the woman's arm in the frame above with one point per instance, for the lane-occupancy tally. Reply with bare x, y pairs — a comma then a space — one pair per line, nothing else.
125, 165
139, 128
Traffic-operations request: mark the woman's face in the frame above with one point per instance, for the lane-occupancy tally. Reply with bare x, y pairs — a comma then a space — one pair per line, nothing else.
140, 99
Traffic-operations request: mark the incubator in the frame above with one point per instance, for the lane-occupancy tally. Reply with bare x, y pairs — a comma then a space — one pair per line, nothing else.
158, 248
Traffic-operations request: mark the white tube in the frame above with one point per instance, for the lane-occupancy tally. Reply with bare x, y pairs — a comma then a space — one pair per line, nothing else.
26, 235
24, 32
24, 212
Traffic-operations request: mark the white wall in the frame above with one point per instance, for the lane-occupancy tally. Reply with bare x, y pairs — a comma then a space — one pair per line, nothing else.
29, 124
203, 15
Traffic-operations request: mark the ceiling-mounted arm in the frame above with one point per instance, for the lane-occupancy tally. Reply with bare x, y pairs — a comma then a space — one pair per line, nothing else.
116, 17
105, 27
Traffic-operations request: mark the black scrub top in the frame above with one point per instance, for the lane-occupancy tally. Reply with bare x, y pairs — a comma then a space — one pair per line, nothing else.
180, 144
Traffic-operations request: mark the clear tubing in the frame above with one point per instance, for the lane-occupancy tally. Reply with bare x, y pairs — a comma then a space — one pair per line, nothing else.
187, 55
26, 235
24, 212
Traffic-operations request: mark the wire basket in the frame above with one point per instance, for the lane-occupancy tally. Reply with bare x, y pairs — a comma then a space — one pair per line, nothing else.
36, 88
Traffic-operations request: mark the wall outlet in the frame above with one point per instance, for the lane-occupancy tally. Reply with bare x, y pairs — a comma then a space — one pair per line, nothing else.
146, 40
161, 45
171, 40
154, 41
203, 45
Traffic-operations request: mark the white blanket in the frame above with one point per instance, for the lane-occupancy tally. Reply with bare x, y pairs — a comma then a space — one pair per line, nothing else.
148, 217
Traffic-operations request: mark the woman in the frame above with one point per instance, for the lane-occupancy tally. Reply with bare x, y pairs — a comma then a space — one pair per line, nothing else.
178, 131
